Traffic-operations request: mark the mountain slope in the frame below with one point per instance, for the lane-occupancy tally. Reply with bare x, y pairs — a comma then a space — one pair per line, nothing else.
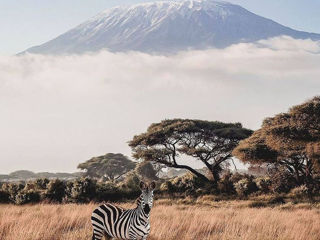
168, 27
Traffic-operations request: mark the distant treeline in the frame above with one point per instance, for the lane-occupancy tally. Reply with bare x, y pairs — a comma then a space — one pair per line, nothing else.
27, 175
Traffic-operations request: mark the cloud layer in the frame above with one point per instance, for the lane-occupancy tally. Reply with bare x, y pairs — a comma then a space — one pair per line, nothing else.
57, 111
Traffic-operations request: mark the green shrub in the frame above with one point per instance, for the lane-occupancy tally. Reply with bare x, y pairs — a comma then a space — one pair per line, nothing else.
281, 181
4, 197
316, 188
29, 186
188, 182
56, 190
167, 187
129, 187
81, 190
263, 183
41, 183
236, 177
246, 186
108, 192
12, 189
130, 183
226, 184
29, 196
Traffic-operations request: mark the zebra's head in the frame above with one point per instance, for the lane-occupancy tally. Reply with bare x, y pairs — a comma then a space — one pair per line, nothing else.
147, 196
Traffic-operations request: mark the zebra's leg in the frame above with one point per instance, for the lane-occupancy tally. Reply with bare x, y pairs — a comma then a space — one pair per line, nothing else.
97, 233
107, 237
96, 236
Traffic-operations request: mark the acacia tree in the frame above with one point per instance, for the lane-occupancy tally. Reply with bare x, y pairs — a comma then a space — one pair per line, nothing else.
146, 170
208, 142
290, 140
110, 166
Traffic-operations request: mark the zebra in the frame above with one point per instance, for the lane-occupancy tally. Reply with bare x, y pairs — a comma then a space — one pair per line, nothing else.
131, 224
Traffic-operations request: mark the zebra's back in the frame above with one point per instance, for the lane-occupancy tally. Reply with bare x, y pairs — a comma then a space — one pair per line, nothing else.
110, 220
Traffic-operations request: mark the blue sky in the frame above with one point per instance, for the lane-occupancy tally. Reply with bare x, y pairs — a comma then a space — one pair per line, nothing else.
25, 23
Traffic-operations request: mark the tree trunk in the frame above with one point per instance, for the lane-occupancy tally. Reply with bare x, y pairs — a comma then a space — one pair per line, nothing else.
216, 177
309, 179
215, 171
192, 171
297, 176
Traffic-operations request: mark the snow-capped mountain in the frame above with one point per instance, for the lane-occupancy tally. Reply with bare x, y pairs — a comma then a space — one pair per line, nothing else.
166, 27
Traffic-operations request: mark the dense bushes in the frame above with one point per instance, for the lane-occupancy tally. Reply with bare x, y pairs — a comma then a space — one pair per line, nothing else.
282, 181
108, 192
27, 196
12, 190
4, 196
243, 184
263, 184
187, 184
246, 186
83, 190
235, 185
129, 187
42, 183
56, 190
226, 184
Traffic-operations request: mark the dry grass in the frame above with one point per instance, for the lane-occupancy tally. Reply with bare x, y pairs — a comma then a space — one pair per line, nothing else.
229, 220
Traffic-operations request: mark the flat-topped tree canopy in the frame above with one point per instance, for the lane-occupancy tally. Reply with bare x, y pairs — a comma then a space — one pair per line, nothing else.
108, 167
255, 149
291, 139
296, 129
210, 142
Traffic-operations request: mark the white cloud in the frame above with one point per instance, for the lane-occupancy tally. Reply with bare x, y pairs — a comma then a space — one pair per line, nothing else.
290, 44
57, 111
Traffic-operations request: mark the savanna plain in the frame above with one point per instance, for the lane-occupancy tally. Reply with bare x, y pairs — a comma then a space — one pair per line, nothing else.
169, 220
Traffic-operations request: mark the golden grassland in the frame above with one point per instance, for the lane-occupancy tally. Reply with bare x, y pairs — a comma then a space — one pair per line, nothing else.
234, 220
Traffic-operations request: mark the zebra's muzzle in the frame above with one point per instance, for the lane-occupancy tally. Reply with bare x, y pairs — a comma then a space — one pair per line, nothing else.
146, 209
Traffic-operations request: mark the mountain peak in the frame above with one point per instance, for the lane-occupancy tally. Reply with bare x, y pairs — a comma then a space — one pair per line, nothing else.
171, 6
168, 27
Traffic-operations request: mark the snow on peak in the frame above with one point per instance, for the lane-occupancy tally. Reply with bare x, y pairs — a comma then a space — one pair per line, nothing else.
171, 6
168, 26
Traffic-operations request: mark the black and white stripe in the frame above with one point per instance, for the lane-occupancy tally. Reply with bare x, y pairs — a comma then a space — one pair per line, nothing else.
115, 222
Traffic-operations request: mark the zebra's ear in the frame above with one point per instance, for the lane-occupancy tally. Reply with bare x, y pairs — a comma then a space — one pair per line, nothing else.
152, 185
142, 185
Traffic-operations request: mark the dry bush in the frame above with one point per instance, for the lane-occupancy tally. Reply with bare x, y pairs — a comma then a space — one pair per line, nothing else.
299, 192
225, 221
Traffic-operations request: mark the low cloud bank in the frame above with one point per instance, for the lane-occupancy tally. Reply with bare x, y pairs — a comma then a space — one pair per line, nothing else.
57, 111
